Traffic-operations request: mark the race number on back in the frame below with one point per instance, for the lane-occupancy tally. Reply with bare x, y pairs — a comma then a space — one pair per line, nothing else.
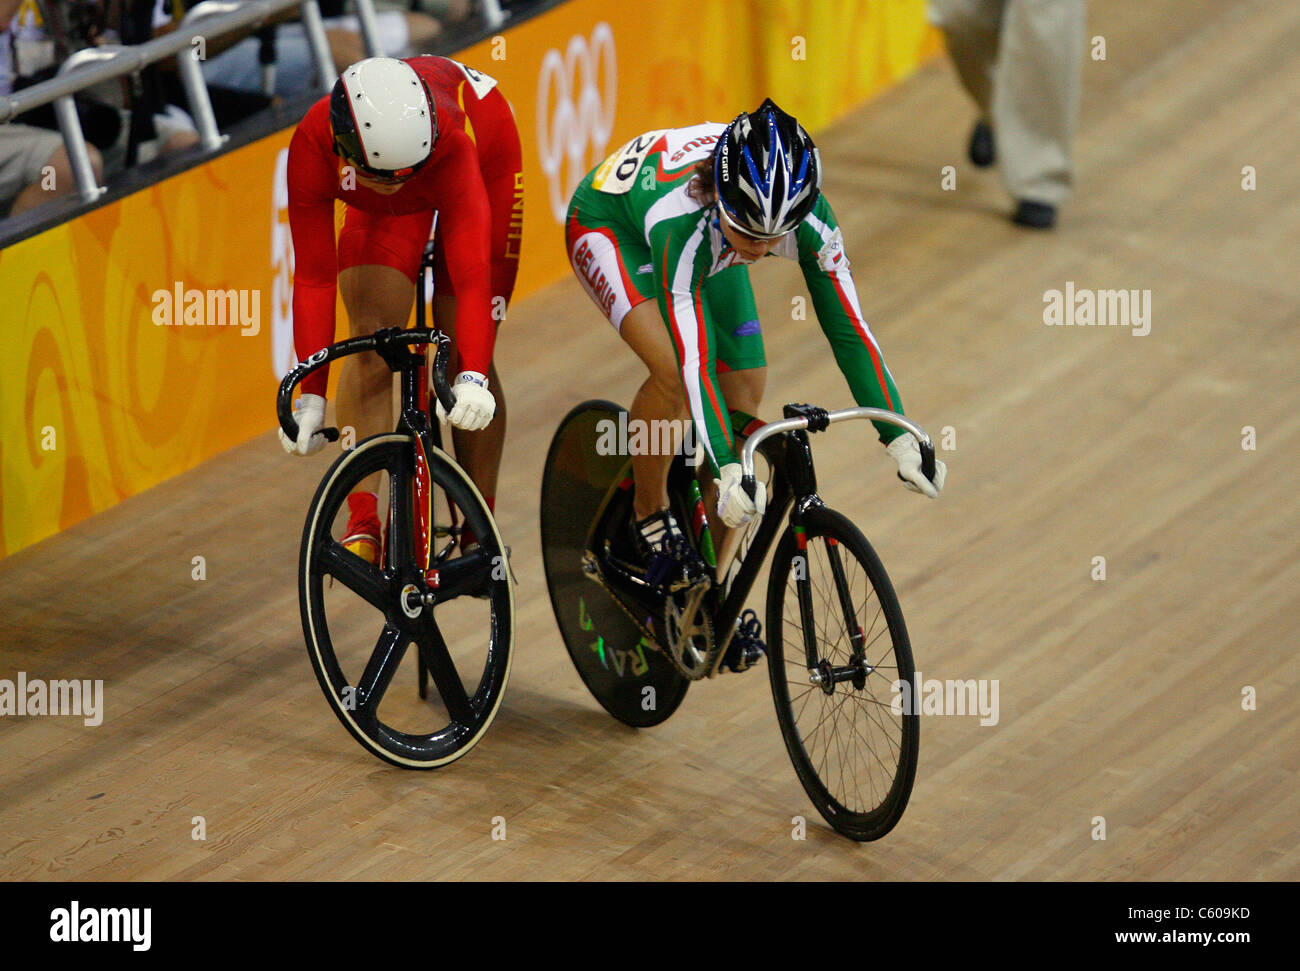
617, 174
480, 82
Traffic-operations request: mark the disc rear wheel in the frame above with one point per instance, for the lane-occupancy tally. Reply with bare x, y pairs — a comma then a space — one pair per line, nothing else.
621, 666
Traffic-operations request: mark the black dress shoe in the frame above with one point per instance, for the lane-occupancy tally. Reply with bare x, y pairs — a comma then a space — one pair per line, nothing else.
1035, 215
981, 150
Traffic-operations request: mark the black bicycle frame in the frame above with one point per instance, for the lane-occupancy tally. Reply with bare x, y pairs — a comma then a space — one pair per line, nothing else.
390, 343
794, 491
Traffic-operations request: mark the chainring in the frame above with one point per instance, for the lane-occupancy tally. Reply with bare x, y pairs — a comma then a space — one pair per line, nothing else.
687, 636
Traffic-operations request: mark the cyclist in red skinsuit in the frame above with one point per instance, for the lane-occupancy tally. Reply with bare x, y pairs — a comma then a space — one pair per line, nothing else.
473, 181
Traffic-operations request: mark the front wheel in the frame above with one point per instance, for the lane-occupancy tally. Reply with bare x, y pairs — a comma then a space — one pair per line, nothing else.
454, 608
841, 671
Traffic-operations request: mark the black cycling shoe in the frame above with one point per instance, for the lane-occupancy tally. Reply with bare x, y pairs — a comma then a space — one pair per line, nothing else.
981, 150
1035, 215
746, 647
670, 562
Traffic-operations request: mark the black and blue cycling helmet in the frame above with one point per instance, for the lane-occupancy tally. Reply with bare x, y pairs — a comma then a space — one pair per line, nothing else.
767, 172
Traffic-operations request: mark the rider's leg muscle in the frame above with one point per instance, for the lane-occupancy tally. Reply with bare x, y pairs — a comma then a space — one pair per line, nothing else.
661, 397
375, 297
479, 452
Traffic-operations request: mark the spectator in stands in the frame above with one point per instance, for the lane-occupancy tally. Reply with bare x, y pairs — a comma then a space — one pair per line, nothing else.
39, 47
1021, 61
400, 31
34, 166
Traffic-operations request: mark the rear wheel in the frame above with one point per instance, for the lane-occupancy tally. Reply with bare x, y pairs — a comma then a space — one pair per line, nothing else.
838, 659
361, 621
622, 668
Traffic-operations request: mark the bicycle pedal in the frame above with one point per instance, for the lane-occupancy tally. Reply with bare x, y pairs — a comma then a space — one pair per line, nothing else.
742, 657
746, 648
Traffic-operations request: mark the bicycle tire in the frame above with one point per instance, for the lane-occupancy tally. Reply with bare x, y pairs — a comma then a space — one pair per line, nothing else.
858, 820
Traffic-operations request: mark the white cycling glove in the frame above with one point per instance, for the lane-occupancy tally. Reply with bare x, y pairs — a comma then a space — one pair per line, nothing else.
474, 406
906, 451
734, 505
309, 413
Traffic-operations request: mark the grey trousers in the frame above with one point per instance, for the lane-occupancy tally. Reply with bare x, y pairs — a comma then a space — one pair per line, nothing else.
1021, 61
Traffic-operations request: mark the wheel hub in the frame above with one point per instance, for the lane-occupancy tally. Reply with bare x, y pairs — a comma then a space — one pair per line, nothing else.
825, 676
412, 600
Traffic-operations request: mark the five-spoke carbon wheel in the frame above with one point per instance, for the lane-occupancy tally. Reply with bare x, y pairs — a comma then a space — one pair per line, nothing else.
378, 635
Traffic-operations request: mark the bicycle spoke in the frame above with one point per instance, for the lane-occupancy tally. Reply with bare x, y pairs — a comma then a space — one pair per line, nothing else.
871, 711
855, 730
842, 744
809, 696
436, 657
381, 667
467, 574
354, 573
872, 749
848, 755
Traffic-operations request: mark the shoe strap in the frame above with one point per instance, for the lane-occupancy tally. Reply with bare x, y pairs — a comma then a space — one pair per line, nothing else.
659, 530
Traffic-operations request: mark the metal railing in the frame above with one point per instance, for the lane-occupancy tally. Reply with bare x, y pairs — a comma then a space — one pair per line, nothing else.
210, 19
493, 14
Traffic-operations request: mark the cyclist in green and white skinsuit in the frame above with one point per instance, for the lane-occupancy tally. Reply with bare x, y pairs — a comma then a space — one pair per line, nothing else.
661, 235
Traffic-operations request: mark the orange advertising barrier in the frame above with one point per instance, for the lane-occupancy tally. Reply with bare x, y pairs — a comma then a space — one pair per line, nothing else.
148, 335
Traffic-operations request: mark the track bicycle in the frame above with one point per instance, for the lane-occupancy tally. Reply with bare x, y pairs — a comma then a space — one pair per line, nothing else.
836, 641
453, 600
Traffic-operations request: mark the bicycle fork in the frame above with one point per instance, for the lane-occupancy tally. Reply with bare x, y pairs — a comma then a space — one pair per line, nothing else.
820, 671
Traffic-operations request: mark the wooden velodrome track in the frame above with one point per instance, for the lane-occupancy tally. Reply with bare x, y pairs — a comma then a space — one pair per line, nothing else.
1119, 699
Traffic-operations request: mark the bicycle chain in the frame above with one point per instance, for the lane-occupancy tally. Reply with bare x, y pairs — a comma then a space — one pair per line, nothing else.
711, 655
595, 575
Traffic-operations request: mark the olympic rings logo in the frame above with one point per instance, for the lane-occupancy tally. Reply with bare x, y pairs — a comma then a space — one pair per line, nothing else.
585, 83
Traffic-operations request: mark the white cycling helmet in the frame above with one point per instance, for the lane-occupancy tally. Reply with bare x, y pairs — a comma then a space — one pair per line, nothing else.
383, 118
